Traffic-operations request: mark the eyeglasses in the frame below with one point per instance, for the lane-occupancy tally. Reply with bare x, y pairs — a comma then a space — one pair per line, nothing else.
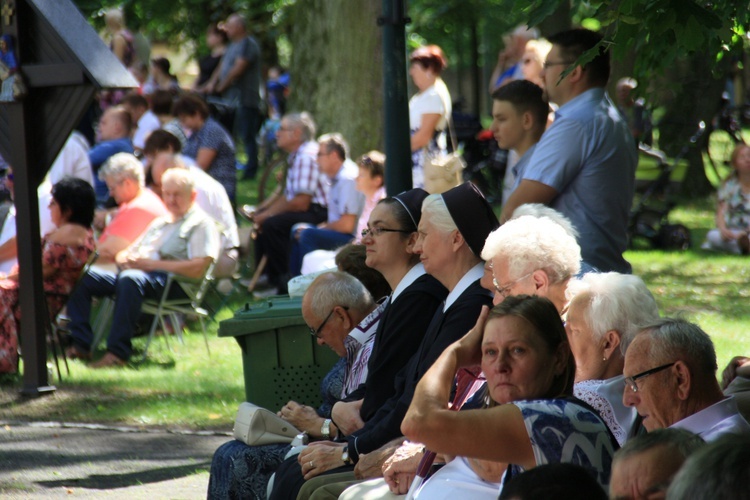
631, 380
315, 332
377, 231
547, 64
504, 290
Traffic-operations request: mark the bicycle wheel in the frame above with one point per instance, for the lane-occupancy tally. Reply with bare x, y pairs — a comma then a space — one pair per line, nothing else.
273, 179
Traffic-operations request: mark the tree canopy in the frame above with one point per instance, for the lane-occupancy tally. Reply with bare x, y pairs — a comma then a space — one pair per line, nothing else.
658, 32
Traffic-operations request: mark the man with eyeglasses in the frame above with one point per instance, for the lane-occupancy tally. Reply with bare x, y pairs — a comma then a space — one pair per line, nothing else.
584, 164
342, 315
670, 378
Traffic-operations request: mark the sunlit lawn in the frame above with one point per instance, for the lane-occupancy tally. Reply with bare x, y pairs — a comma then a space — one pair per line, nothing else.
187, 388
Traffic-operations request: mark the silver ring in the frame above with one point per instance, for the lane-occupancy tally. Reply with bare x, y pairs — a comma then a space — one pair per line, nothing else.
312, 465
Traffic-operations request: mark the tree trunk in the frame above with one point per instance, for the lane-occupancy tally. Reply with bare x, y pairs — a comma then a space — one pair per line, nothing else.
695, 99
337, 70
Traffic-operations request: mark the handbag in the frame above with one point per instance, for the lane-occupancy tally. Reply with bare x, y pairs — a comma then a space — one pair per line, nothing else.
256, 426
443, 171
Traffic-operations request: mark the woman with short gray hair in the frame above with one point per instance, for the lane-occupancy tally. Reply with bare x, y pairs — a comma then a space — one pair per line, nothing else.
604, 313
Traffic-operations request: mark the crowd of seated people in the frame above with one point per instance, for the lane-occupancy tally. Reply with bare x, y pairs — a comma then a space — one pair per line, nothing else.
495, 352
562, 372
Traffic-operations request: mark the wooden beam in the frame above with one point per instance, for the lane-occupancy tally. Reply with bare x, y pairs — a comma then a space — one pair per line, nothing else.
51, 75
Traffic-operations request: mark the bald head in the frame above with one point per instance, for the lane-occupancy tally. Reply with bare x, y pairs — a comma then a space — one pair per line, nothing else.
236, 27
115, 123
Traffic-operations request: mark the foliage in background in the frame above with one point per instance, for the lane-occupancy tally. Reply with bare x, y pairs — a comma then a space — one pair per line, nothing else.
659, 32
185, 21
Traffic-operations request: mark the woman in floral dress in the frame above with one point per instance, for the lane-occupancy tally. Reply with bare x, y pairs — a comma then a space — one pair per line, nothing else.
65, 250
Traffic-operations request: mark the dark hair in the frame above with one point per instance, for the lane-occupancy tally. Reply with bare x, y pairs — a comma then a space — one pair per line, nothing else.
719, 470
373, 162
544, 318
573, 43
135, 100
403, 219
430, 57
526, 97
161, 102
163, 64
160, 140
214, 28
77, 197
561, 481
335, 142
189, 105
351, 259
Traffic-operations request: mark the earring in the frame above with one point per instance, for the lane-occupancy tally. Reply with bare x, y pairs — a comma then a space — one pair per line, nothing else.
604, 358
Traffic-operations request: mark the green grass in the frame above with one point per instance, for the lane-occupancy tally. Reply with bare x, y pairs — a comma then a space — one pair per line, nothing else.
185, 388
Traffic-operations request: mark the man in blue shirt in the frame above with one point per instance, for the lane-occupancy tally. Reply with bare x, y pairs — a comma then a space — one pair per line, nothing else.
345, 204
584, 165
114, 137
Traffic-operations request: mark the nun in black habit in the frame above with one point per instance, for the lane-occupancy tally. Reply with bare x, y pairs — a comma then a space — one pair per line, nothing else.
452, 232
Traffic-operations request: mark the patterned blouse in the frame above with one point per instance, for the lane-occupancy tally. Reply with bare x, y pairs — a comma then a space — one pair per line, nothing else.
737, 213
562, 431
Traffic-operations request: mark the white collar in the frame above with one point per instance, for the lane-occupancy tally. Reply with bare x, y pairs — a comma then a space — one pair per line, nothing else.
409, 278
472, 275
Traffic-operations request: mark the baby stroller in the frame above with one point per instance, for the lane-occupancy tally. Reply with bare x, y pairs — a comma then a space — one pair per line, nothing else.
649, 218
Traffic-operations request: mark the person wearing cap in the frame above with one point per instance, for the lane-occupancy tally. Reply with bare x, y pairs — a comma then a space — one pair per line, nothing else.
452, 231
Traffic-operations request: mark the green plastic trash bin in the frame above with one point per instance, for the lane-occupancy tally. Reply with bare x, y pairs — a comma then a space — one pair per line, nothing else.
280, 359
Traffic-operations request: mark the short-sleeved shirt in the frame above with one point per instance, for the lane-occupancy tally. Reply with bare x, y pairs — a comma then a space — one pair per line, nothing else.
343, 197
223, 168
132, 218
588, 156
146, 124
737, 204
304, 176
213, 199
246, 88
561, 431
194, 235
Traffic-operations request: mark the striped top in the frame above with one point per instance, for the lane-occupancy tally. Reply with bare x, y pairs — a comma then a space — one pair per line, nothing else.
358, 349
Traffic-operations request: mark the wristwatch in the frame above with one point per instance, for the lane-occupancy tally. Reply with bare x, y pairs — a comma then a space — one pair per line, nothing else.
325, 429
345, 456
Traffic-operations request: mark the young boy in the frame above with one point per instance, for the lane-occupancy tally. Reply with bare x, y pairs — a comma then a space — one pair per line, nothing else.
519, 117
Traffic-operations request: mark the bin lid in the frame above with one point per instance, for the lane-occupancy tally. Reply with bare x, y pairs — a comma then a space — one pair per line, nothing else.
270, 314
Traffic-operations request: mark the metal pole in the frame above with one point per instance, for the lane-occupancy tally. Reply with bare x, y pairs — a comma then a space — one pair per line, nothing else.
25, 161
395, 101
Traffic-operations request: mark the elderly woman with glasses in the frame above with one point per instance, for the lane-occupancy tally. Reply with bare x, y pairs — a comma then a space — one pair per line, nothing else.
604, 313
533, 256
